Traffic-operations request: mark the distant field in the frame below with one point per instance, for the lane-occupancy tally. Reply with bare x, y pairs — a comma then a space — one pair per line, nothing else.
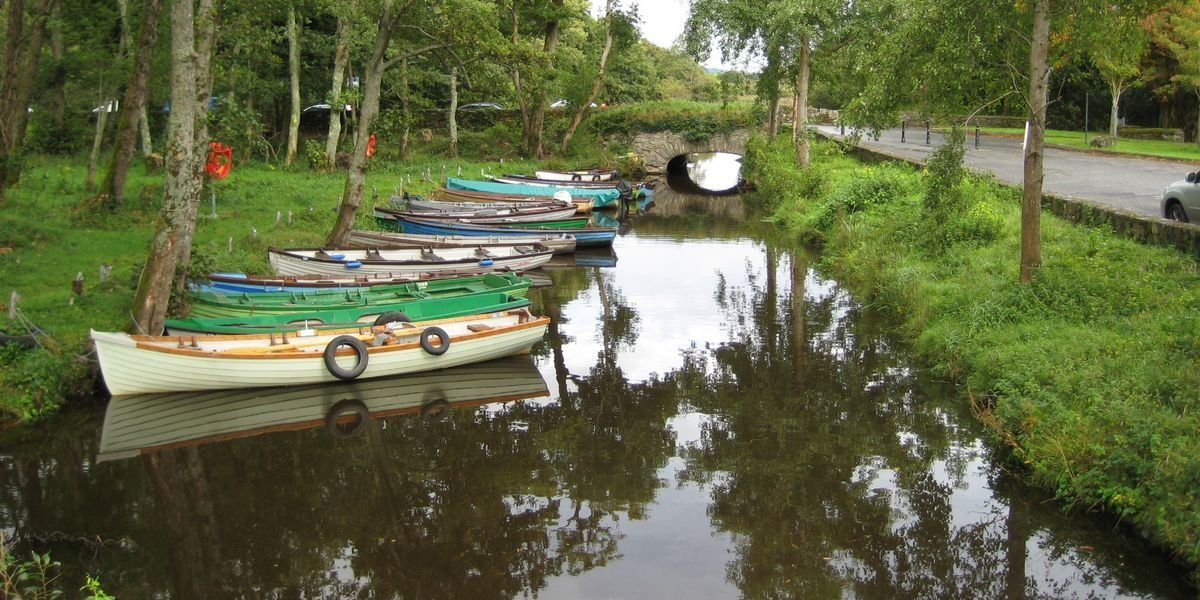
1074, 139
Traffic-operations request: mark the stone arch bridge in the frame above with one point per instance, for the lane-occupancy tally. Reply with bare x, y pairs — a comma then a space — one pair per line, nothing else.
657, 150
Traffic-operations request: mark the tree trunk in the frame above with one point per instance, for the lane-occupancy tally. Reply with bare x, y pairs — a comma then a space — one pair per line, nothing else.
356, 174
1197, 90
58, 80
341, 56
538, 120
579, 111
526, 118
405, 112
800, 106
1114, 88
452, 118
16, 84
192, 33
293, 36
1031, 197
773, 115
97, 142
134, 104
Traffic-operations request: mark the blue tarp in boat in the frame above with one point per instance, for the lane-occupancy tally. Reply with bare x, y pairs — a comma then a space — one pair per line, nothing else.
599, 198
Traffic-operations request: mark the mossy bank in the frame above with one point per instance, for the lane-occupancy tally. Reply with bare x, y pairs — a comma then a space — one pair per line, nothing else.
1090, 374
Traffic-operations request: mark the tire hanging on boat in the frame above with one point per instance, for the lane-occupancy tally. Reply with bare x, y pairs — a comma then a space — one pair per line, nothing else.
360, 352
347, 407
392, 317
435, 332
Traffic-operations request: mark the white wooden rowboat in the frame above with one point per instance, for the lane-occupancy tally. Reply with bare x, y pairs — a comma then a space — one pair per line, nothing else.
443, 261
559, 243
140, 364
580, 175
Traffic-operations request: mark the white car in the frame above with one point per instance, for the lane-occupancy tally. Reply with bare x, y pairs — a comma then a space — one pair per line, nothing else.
1181, 200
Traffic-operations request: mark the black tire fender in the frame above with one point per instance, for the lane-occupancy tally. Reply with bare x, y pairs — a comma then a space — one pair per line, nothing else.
345, 408
392, 317
427, 336
360, 351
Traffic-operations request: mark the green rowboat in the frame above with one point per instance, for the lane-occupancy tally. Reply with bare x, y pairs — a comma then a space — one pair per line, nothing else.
416, 310
211, 303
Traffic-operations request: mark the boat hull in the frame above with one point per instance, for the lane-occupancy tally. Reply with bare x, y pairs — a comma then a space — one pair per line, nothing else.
600, 198
148, 364
588, 237
559, 243
406, 260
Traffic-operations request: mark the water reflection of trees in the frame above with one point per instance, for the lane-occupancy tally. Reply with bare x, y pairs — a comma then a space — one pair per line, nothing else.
835, 466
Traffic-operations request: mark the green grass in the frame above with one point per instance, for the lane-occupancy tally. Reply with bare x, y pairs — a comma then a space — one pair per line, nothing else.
53, 234
1074, 139
1090, 375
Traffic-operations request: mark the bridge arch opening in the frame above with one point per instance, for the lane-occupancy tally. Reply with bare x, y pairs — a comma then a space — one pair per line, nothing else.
711, 173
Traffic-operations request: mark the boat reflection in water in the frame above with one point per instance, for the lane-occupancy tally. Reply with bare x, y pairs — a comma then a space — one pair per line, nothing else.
148, 423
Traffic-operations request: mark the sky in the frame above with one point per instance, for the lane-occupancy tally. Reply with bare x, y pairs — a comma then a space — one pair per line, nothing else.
662, 23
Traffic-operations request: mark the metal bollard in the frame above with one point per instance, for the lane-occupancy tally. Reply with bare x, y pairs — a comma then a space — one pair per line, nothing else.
902, 127
842, 126
976, 137
926, 133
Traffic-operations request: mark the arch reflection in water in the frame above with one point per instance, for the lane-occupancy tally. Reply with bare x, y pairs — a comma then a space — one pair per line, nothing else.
150, 422
715, 173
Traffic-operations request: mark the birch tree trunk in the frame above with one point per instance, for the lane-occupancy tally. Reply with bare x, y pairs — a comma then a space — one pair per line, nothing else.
1031, 197
579, 111
293, 35
134, 105
192, 33
452, 117
800, 106
341, 56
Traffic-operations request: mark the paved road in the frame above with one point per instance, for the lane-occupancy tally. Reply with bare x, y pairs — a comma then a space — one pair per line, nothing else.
1131, 184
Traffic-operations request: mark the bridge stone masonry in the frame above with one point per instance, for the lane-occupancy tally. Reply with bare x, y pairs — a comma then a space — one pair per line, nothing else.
657, 149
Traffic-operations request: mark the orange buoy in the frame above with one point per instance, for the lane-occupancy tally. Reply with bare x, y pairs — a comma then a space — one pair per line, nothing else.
220, 160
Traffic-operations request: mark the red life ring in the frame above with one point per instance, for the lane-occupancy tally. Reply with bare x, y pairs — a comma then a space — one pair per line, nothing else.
220, 160
371, 146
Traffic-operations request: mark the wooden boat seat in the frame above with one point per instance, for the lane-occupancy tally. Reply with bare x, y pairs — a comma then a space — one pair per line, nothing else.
428, 255
477, 327
484, 253
373, 254
323, 254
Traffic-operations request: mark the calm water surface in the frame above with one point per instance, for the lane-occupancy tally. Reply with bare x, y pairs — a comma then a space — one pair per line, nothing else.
709, 417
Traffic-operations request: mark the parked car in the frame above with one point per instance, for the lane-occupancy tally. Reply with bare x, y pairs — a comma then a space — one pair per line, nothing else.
481, 106
1181, 200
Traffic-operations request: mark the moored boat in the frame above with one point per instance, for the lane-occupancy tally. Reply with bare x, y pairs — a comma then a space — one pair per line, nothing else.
235, 304
559, 243
257, 284
577, 175
387, 218
600, 198
590, 236
582, 205
340, 318
307, 261
498, 217
136, 364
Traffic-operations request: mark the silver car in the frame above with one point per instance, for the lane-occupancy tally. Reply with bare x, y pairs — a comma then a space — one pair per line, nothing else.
1181, 200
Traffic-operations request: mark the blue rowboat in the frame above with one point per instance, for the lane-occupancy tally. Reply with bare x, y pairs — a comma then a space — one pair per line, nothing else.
588, 237
599, 198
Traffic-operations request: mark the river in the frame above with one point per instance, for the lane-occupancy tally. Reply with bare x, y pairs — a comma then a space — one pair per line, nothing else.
710, 416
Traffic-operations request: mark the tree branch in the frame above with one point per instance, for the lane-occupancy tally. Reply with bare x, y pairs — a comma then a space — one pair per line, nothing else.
419, 51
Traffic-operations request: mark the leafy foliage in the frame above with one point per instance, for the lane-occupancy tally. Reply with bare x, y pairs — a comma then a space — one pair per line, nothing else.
694, 121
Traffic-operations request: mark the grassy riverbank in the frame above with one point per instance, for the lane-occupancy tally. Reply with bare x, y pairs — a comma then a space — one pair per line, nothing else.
51, 233
1091, 374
